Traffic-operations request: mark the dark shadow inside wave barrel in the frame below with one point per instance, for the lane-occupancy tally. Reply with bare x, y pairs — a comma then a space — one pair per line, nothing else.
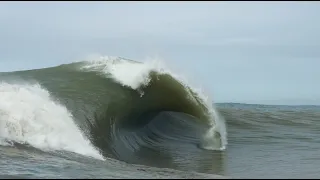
161, 128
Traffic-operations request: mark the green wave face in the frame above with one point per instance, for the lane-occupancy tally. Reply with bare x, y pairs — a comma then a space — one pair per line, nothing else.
125, 107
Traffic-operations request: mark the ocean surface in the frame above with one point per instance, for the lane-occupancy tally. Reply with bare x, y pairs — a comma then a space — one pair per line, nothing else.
117, 118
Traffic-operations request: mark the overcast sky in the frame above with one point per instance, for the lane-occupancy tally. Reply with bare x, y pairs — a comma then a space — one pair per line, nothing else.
250, 52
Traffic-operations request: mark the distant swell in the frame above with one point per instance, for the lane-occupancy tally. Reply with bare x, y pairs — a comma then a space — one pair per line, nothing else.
135, 112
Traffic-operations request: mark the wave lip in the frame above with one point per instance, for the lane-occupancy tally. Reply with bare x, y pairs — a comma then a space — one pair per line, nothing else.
149, 89
118, 108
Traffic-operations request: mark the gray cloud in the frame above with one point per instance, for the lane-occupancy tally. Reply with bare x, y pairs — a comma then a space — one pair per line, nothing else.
241, 51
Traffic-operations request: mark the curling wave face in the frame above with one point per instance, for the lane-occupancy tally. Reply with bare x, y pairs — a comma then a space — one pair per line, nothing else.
129, 111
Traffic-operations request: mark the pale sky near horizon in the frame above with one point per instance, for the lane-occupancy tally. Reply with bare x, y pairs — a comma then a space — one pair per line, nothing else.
248, 52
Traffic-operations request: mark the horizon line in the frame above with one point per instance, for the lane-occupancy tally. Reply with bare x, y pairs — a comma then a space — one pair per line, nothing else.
243, 103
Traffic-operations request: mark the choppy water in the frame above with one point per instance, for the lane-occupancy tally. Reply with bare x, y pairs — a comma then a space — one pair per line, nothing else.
115, 118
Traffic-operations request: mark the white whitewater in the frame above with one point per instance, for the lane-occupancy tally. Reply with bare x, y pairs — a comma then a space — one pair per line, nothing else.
29, 115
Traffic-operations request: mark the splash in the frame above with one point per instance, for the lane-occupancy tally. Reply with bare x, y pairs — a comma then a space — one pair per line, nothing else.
28, 115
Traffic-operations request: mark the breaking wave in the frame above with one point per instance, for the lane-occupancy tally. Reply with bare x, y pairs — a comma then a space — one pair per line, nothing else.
115, 107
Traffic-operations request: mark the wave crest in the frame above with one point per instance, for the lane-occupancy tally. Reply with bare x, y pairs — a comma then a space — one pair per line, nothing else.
159, 90
130, 111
